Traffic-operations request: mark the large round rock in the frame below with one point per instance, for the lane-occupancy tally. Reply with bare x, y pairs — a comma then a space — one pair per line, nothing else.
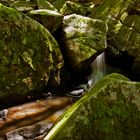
84, 38
109, 111
28, 53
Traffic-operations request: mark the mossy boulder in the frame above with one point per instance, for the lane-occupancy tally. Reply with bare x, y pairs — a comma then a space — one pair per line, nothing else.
27, 5
23, 6
59, 3
127, 41
44, 4
20, 5
111, 12
50, 19
123, 37
40, 10
76, 8
109, 111
128, 37
83, 39
28, 54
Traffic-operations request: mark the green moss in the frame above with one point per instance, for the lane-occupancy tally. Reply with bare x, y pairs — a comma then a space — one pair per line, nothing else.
28, 52
45, 12
105, 113
75, 8
58, 4
84, 38
130, 30
44, 4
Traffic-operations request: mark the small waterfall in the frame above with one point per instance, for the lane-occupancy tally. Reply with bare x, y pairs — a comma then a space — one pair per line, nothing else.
98, 71
98, 67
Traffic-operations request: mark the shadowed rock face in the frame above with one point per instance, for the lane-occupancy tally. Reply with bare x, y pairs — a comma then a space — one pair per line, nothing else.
84, 38
27, 55
128, 39
110, 110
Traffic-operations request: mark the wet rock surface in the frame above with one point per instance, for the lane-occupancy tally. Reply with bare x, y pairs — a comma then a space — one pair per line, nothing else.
31, 64
35, 132
83, 39
110, 110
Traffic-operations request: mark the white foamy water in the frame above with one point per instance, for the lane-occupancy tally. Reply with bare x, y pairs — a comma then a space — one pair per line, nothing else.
98, 69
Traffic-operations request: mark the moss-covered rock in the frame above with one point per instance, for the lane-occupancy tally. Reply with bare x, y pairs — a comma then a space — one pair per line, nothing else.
27, 5
20, 5
127, 40
128, 37
108, 9
23, 6
40, 10
28, 53
44, 4
59, 3
110, 111
83, 39
123, 37
75, 8
48, 18
111, 12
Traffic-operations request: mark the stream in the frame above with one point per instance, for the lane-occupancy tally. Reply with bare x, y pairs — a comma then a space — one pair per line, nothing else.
50, 109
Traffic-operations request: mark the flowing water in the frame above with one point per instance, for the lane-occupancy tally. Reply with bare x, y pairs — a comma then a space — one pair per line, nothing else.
98, 69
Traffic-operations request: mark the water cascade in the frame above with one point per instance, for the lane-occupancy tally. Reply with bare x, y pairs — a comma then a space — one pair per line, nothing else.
98, 67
